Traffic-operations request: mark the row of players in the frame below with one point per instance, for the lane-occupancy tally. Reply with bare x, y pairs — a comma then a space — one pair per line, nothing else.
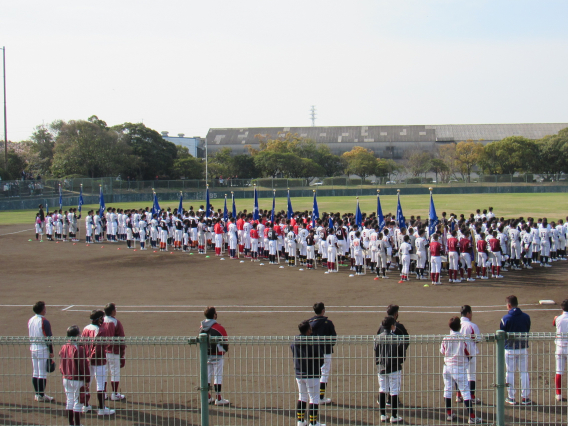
486, 243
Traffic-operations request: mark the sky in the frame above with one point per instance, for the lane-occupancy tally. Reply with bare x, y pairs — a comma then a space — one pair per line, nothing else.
187, 66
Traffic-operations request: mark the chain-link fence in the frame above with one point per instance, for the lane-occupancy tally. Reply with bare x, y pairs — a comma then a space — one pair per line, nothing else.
165, 382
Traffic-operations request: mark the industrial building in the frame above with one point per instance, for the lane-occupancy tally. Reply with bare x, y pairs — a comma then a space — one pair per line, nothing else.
384, 141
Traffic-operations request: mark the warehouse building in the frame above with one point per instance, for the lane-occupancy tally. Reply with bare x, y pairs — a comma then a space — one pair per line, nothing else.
384, 141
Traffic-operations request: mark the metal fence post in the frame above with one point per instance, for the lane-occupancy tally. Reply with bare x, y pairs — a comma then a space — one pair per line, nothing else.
204, 383
500, 384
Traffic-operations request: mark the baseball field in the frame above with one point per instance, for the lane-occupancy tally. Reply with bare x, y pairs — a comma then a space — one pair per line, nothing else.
163, 294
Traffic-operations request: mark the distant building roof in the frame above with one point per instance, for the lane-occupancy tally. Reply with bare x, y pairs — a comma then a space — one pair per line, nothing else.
390, 134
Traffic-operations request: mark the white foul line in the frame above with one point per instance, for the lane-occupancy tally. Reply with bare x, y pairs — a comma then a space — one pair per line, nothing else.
68, 307
17, 232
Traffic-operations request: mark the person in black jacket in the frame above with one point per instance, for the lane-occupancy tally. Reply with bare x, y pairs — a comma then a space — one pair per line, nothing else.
389, 350
400, 330
322, 326
308, 359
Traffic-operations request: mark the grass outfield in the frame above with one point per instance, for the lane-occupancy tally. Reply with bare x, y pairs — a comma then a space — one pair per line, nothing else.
553, 206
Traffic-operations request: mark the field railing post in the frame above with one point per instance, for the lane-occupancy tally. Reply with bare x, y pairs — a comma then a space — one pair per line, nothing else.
204, 382
500, 384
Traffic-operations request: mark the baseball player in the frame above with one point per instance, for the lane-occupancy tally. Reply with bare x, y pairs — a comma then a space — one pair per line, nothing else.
215, 353
466, 254
114, 352
453, 257
332, 247
482, 257
389, 356
435, 260
308, 360
254, 242
471, 330
404, 253
39, 330
74, 367
455, 349
323, 326
357, 253
97, 360
561, 354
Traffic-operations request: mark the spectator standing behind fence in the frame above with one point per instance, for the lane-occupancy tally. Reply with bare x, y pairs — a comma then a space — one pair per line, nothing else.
215, 353
323, 326
471, 330
75, 370
561, 324
308, 359
456, 353
400, 330
41, 349
516, 350
115, 352
389, 356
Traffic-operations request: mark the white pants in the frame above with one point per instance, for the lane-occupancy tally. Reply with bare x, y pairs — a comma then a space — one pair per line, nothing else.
218, 240
421, 259
453, 260
254, 245
309, 388
310, 252
359, 258
471, 369
457, 374
272, 247
113, 363
99, 373
39, 363
465, 260
232, 242
517, 360
435, 264
72, 390
390, 383
405, 259
215, 369
561, 358
545, 248
516, 251
481, 261
325, 368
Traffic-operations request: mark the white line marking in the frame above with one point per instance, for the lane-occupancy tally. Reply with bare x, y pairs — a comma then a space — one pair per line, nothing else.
68, 307
17, 232
283, 306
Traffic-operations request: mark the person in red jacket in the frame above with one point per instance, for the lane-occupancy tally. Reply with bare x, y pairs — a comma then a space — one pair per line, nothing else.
97, 359
254, 243
115, 352
435, 260
453, 257
482, 256
74, 368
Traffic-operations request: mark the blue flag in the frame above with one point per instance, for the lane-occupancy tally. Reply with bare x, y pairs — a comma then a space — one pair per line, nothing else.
102, 206
290, 211
399, 215
315, 211
81, 201
358, 216
234, 207
273, 207
380, 215
432, 217
255, 215
60, 198
180, 207
225, 214
330, 222
155, 206
207, 208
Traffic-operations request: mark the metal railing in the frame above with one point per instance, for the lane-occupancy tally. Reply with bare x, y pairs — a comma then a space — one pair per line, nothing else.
165, 383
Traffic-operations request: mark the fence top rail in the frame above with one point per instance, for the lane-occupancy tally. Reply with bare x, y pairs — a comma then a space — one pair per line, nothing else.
275, 340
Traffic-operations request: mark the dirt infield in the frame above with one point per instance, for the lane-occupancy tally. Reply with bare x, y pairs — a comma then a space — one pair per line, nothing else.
164, 294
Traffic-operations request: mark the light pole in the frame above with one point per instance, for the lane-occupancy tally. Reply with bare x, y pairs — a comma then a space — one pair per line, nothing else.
5, 126
206, 161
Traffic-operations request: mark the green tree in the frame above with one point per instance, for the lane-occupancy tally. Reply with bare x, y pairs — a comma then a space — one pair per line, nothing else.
552, 154
437, 165
88, 148
510, 155
360, 161
188, 167
418, 162
243, 167
156, 155
387, 167
468, 155
16, 164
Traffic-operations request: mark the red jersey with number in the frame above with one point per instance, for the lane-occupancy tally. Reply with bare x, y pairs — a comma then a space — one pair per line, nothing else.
240, 224
218, 228
482, 246
254, 234
452, 244
435, 248
495, 245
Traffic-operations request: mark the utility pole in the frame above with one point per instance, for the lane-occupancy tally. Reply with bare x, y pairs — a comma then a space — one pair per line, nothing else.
5, 126
313, 115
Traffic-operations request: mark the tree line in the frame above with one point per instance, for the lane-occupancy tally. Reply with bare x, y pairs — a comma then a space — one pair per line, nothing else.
91, 148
